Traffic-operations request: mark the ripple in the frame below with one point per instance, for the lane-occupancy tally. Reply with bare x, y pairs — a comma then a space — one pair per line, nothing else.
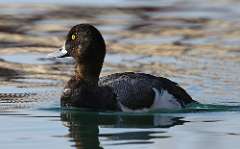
27, 58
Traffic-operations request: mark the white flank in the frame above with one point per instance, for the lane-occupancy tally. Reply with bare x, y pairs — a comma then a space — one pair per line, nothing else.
164, 100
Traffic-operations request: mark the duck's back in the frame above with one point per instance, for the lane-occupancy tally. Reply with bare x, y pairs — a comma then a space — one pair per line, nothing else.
139, 91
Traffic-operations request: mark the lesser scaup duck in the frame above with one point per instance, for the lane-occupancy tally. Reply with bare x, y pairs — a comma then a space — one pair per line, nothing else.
126, 91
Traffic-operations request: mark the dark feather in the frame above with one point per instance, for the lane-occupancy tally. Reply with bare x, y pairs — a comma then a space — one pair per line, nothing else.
134, 90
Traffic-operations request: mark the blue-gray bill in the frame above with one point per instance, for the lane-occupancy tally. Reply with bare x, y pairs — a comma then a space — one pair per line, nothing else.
62, 52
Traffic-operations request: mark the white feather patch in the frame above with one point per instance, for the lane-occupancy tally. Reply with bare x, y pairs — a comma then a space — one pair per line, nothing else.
164, 100
63, 50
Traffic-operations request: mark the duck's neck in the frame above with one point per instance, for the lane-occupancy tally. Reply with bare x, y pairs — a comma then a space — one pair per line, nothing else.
87, 73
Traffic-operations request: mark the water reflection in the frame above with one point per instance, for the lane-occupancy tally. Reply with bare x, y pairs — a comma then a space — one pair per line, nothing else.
135, 129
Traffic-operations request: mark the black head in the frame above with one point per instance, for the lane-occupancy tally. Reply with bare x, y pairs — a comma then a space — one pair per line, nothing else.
86, 45
84, 42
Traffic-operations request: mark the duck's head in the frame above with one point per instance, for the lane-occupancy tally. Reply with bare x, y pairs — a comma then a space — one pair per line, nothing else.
86, 45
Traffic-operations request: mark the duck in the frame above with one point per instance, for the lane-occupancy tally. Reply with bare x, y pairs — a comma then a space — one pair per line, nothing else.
125, 91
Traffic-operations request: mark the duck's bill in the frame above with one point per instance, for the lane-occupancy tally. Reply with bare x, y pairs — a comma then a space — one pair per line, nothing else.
61, 53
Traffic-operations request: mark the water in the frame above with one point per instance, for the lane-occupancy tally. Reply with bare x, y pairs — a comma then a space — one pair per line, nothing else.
194, 43
79, 129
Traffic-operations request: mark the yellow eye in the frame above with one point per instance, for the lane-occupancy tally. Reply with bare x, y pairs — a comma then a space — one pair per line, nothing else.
73, 37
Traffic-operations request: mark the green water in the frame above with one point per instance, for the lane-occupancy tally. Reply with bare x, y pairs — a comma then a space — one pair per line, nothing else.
53, 127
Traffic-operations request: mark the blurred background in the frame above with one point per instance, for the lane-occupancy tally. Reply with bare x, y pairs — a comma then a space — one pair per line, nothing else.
193, 42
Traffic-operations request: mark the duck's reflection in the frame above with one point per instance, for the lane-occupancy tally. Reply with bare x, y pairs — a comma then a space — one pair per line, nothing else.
84, 128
